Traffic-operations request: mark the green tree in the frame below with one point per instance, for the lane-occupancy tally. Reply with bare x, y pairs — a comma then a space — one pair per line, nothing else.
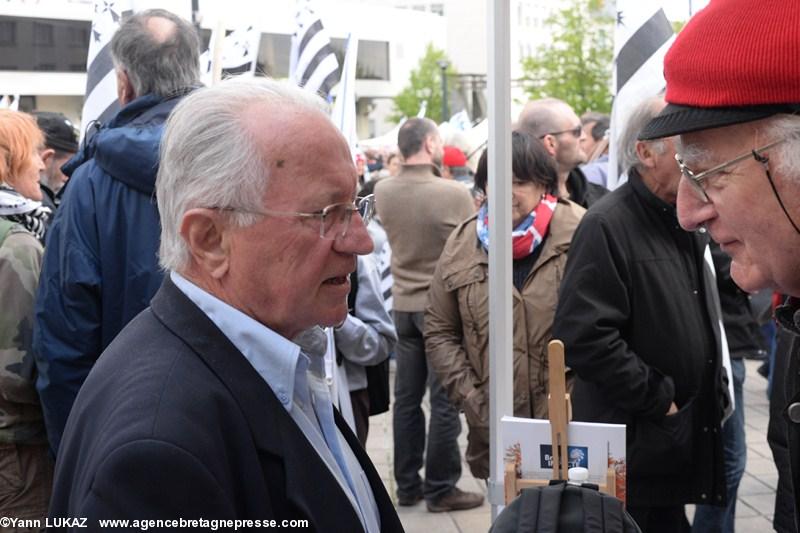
576, 65
424, 84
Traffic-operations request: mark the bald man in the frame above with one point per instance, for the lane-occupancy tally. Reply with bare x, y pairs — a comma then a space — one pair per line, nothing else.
556, 125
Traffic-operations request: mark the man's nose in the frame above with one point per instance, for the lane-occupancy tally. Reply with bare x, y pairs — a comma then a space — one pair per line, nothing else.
357, 239
693, 212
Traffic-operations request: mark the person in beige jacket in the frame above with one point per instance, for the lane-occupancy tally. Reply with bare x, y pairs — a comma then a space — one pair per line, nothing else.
457, 315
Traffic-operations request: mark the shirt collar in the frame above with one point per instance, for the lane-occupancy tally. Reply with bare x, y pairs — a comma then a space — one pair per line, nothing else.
277, 360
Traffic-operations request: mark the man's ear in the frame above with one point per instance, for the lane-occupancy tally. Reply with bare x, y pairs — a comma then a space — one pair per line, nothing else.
47, 155
549, 142
125, 92
645, 153
207, 233
430, 144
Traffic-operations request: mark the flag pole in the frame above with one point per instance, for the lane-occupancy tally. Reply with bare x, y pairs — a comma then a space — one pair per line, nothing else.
218, 37
500, 289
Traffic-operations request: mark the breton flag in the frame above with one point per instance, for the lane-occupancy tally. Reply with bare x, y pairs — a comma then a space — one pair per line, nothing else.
641, 39
313, 64
239, 54
10, 101
101, 103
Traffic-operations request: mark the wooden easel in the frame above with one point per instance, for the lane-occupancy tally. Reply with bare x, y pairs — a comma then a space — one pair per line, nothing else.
560, 413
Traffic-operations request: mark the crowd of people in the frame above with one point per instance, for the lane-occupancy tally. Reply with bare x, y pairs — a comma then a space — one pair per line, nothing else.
196, 321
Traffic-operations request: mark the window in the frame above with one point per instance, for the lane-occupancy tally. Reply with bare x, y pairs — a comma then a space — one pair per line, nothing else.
51, 45
77, 36
8, 33
373, 58
42, 34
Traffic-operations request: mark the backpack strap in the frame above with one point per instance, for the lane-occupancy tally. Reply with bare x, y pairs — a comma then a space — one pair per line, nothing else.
528, 507
550, 504
5, 229
601, 513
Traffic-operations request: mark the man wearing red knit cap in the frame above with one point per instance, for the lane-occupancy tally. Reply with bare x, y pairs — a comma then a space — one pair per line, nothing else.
733, 88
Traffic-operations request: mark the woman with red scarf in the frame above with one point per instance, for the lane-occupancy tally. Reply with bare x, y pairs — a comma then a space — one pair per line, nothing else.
457, 316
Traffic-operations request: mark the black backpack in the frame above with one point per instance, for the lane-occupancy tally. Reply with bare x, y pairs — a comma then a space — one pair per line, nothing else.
564, 508
377, 375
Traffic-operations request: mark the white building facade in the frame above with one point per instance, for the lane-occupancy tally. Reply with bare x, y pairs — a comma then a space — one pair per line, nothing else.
43, 46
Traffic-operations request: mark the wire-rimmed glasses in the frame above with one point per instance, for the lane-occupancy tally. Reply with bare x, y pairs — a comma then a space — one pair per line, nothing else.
334, 219
697, 180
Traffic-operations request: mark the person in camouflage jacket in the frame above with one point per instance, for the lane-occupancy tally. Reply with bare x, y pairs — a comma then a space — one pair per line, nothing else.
26, 469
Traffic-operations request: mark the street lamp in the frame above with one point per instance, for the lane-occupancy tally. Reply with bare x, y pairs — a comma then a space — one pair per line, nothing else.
443, 64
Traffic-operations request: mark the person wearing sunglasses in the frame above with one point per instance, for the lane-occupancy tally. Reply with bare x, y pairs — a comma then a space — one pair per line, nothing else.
203, 407
734, 101
555, 123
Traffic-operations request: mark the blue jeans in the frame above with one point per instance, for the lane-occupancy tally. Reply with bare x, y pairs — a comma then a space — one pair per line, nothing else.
708, 518
443, 458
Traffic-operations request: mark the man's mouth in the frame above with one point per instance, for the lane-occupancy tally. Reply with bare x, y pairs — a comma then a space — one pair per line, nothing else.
338, 280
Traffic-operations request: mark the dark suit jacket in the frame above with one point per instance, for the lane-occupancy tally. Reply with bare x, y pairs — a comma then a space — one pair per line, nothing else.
173, 422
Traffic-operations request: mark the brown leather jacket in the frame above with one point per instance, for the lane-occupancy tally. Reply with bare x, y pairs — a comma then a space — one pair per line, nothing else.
457, 327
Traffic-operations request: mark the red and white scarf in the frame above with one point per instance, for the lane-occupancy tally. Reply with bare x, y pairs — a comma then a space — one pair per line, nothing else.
529, 233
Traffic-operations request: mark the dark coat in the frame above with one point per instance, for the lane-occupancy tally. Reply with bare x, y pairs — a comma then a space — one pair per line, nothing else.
582, 191
100, 264
173, 422
787, 450
639, 331
777, 432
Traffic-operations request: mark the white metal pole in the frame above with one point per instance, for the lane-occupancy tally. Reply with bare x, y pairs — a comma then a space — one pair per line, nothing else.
501, 336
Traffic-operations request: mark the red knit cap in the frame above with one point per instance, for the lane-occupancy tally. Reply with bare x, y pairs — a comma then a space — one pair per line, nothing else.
740, 57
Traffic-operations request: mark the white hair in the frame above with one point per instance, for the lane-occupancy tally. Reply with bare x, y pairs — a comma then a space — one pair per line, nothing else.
209, 158
640, 116
788, 127
781, 126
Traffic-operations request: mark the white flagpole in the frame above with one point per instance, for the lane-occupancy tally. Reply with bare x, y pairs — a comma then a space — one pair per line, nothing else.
501, 318
344, 108
218, 36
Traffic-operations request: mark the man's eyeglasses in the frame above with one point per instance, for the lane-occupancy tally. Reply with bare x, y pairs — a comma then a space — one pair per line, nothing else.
576, 132
698, 181
334, 219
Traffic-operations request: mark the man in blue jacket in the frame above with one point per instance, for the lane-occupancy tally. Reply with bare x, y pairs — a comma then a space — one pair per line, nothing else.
100, 266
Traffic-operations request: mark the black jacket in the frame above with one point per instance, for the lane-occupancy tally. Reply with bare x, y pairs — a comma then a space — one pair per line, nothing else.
786, 349
741, 327
639, 331
788, 318
582, 191
173, 422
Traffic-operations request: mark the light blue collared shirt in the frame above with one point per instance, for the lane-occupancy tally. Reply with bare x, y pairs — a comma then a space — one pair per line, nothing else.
298, 382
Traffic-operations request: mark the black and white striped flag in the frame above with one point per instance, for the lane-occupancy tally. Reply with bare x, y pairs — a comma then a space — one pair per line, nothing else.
385, 271
100, 103
10, 101
641, 39
239, 54
313, 65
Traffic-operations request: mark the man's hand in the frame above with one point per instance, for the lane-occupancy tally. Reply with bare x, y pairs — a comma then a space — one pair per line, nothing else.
672, 409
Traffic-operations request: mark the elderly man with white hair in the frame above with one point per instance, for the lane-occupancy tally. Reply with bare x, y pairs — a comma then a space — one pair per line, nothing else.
203, 408
733, 88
